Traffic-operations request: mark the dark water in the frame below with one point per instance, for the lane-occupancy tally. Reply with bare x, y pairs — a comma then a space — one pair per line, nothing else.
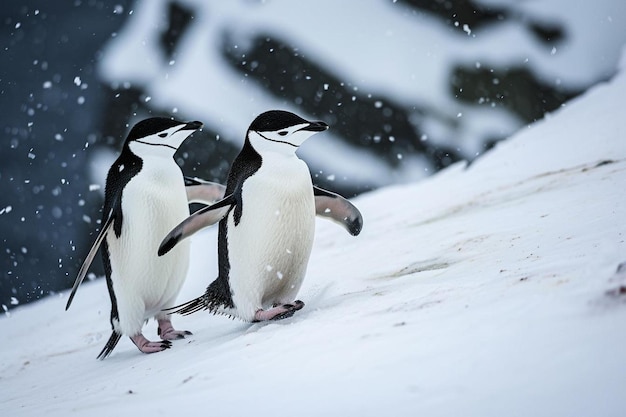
51, 103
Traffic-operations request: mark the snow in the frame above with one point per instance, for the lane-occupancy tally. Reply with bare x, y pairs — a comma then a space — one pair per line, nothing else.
486, 290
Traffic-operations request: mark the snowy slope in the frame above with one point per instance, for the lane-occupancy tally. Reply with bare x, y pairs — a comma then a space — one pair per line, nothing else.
484, 291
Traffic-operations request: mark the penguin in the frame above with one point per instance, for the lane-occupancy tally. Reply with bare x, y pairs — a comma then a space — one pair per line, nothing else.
145, 196
266, 223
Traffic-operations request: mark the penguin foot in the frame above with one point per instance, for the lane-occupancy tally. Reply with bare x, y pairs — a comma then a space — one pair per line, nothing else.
172, 334
167, 332
278, 312
147, 346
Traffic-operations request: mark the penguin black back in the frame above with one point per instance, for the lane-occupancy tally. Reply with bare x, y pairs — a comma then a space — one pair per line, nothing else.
246, 164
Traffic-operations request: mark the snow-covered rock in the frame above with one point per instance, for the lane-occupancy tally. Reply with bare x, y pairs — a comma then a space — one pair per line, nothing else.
389, 77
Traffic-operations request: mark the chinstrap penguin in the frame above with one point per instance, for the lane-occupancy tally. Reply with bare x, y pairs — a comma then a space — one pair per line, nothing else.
145, 196
266, 223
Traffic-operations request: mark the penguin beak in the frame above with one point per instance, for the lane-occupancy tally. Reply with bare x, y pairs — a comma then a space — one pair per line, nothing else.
316, 127
192, 126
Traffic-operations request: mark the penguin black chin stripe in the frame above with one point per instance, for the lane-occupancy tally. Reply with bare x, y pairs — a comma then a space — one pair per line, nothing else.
277, 141
156, 144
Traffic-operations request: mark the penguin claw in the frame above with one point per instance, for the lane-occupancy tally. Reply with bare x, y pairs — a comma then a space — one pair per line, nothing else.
286, 314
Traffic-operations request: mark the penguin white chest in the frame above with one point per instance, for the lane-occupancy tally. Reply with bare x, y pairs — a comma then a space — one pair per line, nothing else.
269, 248
153, 202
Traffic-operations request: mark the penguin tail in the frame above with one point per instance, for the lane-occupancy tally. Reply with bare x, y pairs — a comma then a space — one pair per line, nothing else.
189, 307
215, 298
111, 343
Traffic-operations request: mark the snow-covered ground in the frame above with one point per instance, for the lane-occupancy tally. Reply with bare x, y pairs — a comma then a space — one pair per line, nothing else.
489, 290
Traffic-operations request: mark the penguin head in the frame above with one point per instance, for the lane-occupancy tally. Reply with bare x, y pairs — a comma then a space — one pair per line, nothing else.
159, 136
281, 131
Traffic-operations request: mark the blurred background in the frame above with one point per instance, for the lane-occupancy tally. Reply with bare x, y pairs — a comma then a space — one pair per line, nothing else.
407, 86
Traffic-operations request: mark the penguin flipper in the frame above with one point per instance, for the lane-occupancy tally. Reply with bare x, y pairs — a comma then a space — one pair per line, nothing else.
89, 259
199, 220
111, 343
339, 209
201, 191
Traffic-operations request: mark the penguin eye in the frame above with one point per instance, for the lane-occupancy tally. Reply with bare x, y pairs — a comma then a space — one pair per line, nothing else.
162, 135
283, 133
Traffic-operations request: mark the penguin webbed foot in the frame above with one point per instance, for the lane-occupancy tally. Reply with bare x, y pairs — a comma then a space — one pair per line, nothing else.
146, 346
167, 332
278, 312
175, 334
